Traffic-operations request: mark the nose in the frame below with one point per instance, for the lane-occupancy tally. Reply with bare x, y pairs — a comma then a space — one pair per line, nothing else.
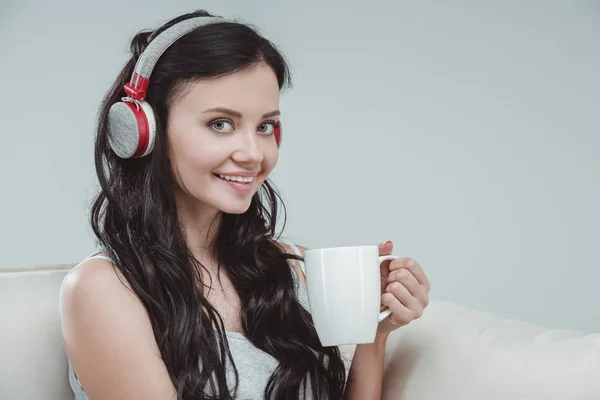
249, 150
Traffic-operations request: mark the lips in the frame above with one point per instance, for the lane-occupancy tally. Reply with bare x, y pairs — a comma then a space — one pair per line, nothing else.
241, 188
236, 178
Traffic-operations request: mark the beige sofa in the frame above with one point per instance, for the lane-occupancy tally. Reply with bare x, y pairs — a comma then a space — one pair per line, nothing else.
452, 353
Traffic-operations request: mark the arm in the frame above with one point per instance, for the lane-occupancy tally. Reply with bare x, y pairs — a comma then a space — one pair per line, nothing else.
109, 339
366, 371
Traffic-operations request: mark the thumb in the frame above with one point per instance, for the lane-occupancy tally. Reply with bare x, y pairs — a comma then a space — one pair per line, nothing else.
386, 248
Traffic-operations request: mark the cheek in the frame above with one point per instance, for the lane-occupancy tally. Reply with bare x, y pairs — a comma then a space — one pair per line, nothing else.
271, 157
194, 163
190, 160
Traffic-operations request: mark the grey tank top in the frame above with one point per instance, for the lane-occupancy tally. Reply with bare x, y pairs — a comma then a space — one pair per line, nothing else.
254, 366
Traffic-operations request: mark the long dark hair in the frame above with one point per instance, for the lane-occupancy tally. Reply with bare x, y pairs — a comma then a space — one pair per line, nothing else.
135, 220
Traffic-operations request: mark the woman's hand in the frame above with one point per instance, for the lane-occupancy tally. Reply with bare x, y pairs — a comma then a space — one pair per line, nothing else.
404, 289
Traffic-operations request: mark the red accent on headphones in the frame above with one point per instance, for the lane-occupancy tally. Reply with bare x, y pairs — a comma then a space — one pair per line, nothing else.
143, 128
137, 87
277, 133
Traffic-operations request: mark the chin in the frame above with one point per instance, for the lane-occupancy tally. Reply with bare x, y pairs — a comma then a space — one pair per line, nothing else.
238, 208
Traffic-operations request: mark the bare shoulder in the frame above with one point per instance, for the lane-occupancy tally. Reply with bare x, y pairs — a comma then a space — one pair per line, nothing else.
108, 336
94, 285
93, 275
295, 264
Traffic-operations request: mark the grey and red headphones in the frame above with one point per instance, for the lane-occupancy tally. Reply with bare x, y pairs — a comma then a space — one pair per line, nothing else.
131, 122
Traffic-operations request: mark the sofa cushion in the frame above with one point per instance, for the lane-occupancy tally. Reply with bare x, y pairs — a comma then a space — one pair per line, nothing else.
454, 353
33, 364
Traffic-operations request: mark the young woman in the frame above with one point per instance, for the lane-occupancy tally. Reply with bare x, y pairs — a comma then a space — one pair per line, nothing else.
192, 295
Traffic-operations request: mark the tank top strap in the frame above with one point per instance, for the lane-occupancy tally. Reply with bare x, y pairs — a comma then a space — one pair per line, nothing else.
100, 256
93, 256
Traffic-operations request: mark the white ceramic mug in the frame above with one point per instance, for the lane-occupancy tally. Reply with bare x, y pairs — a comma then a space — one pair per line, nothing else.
344, 293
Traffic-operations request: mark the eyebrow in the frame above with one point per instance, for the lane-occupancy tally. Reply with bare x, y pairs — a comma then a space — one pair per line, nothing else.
237, 114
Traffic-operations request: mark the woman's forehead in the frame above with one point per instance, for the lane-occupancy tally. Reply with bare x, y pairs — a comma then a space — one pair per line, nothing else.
253, 88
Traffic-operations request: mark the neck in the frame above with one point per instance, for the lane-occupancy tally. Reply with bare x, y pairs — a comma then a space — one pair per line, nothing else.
200, 225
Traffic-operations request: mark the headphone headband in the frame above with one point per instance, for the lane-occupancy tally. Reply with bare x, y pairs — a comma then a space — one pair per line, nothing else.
138, 84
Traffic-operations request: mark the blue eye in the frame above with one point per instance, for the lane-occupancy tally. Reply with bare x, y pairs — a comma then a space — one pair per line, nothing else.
267, 128
221, 126
226, 126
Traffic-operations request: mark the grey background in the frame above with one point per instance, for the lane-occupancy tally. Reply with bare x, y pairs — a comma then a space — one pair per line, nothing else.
464, 131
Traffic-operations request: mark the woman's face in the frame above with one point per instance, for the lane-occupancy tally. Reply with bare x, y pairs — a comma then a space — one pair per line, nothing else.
221, 142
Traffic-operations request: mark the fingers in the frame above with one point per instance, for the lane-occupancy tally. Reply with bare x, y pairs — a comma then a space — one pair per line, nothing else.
406, 293
409, 281
401, 314
403, 295
415, 269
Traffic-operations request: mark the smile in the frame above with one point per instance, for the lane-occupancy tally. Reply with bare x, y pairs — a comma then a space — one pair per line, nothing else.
240, 179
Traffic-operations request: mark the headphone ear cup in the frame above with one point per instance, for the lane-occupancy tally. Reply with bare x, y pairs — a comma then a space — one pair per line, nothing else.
277, 133
131, 129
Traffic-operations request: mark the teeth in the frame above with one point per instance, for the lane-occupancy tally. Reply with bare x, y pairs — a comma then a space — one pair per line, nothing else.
241, 179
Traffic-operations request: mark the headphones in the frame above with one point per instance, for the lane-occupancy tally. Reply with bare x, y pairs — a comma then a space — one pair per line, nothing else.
131, 122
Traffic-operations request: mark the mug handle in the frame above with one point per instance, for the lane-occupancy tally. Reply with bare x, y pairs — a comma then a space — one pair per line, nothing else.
385, 313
